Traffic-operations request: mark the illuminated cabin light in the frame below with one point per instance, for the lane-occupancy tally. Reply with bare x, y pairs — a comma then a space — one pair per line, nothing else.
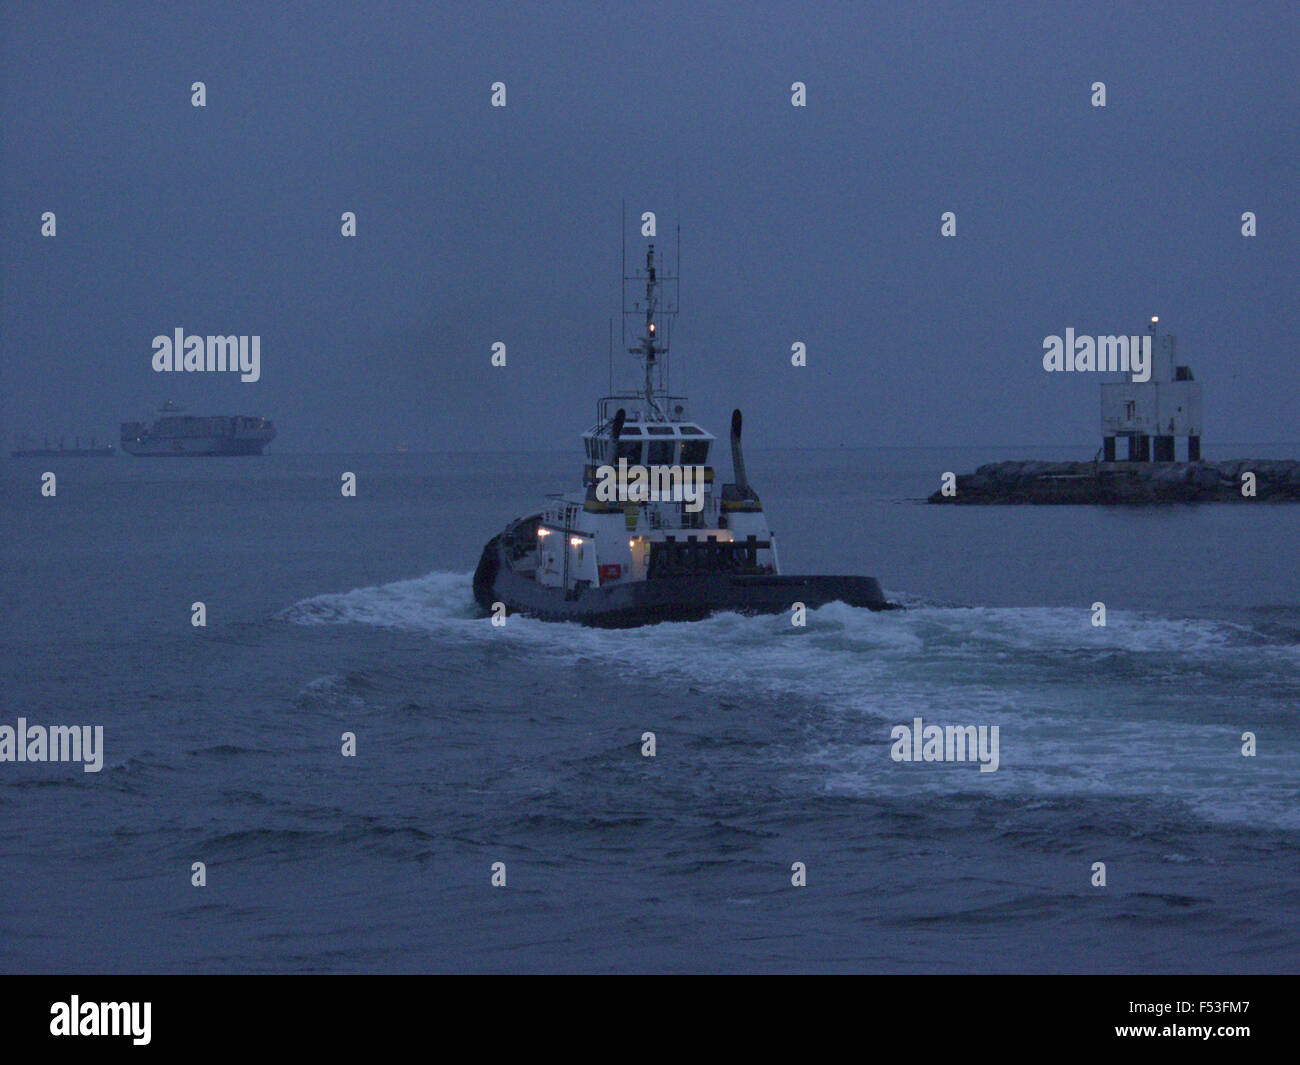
652, 327
543, 532
576, 541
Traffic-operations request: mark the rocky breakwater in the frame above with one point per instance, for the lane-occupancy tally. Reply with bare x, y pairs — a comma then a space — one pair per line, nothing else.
1237, 481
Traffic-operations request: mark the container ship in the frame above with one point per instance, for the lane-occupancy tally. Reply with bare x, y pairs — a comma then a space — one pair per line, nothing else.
177, 434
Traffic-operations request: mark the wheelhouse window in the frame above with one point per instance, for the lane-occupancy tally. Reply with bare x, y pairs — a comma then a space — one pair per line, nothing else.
695, 452
660, 452
630, 450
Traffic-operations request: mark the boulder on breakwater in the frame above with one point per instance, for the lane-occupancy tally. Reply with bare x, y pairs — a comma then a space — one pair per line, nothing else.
1128, 482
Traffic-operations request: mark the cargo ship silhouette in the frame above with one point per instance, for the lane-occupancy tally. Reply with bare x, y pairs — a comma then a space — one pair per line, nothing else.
179, 435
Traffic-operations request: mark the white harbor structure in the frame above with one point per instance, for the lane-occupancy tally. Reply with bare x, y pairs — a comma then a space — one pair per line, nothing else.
1152, 415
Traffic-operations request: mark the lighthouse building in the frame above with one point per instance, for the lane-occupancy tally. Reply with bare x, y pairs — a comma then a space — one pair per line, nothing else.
1152, 415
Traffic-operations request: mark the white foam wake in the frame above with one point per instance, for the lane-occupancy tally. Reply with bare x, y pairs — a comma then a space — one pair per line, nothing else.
1144, 704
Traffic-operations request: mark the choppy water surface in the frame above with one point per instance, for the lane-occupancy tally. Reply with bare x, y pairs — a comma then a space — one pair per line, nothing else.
523, 744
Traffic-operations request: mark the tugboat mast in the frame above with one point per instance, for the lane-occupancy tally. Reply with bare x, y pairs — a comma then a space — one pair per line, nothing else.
652, 343
649, 348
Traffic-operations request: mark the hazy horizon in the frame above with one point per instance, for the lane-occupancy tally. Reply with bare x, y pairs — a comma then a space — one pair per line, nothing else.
478, 224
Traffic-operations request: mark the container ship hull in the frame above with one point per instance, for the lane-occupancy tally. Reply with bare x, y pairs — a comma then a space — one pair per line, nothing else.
197, 448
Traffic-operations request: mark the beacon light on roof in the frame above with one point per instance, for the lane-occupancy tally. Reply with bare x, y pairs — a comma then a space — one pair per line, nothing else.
652, 327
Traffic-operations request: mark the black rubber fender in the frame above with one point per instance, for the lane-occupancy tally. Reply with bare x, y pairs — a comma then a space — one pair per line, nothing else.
485, 574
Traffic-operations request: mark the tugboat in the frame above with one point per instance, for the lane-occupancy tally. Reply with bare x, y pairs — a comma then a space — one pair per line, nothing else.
649, 537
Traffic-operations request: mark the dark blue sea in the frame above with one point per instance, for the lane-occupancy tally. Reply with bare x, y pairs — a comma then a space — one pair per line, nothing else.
522, 744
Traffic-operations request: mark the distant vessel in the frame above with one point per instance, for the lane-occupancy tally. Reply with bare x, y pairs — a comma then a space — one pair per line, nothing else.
91, 450
181, 435
613, 555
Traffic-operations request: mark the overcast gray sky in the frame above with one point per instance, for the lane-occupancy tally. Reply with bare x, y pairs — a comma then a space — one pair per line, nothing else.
478, 224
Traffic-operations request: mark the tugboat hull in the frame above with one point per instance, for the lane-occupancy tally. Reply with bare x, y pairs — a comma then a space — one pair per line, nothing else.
689, 597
